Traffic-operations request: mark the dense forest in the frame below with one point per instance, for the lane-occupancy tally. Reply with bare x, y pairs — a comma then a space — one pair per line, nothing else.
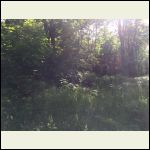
74, 75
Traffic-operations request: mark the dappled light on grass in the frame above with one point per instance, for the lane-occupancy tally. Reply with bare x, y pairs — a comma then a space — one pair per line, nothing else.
117, 107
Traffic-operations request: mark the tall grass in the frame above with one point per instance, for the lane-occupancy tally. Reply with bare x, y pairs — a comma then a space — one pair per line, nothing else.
110, 104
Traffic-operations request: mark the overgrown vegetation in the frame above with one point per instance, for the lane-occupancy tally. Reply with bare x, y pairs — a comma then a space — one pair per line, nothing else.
74, 75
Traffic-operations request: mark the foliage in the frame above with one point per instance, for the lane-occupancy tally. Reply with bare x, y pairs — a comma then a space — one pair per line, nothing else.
111, 104
74, 74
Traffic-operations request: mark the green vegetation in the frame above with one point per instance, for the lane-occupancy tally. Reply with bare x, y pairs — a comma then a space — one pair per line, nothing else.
74, 75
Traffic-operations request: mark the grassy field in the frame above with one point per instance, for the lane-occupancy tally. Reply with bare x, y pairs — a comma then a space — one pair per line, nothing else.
110, 104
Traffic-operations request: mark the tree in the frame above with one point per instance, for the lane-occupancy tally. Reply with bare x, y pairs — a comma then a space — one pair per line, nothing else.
132, 40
